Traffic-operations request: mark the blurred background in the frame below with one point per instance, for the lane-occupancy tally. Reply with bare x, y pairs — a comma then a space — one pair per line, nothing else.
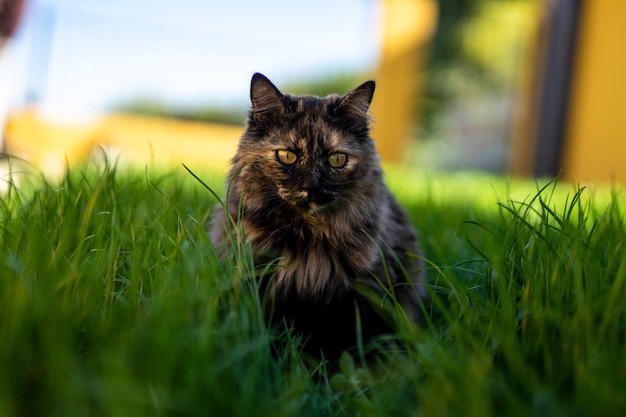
513, 87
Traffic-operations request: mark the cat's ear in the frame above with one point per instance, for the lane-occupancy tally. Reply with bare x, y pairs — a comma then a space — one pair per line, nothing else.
264, 95
358, 100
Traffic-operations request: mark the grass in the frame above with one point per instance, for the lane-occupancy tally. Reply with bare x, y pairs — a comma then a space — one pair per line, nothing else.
113, 302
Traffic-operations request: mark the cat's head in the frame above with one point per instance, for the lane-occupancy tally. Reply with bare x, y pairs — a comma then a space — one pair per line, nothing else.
304, 151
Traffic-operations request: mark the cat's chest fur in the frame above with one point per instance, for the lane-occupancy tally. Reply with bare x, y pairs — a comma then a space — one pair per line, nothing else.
317, 255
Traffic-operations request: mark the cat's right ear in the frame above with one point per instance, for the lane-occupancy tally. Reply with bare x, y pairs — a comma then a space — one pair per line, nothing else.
264, 95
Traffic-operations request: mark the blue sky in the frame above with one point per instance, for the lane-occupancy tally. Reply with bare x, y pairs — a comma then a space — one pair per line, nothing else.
85, 55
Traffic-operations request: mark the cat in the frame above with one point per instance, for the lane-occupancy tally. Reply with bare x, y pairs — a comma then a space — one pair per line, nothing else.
306, 186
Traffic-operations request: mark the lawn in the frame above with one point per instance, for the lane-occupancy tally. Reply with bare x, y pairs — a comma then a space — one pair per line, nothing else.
113, 303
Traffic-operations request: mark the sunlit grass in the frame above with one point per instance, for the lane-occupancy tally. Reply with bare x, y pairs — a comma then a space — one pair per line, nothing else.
113, 302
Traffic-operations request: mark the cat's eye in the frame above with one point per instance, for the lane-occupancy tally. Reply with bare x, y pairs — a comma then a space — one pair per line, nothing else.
286, 157
337, 160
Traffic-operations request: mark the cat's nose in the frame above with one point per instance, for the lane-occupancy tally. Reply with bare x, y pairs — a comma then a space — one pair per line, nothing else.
319, 196
310, 182
311, 191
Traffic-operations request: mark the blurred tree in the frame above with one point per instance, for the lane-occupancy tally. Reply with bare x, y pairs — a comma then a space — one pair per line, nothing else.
235, 113
452, 15
339, 83
446, 52
212, 113
475, 41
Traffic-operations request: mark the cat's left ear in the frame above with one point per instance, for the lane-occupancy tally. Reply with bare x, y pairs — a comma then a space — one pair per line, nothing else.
359, 99
264, 95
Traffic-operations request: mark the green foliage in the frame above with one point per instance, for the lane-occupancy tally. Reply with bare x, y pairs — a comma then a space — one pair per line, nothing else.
230, 115
338, 83
476, 54
235, 113
113, 302
482, 37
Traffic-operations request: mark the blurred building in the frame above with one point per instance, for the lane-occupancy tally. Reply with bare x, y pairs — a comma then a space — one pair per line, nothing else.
571, 115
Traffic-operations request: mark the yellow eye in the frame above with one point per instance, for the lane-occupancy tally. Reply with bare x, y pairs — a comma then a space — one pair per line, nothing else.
286, 157
337, 160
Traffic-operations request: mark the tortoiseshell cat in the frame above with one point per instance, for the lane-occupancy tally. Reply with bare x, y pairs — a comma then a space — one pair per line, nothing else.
307, 180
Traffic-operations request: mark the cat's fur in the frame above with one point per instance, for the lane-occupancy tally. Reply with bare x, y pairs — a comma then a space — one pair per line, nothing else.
338, 237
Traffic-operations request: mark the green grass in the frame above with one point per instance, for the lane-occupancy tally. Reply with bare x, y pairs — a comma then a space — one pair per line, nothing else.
112, 302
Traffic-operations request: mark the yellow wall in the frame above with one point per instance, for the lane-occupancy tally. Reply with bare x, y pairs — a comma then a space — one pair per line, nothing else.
50, 145
595, 146
407, 26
